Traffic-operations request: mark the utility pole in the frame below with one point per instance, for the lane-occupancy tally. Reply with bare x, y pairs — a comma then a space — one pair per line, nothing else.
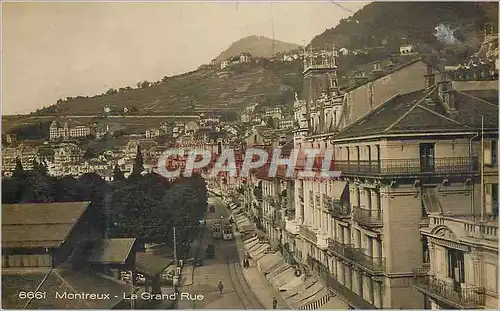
175, 249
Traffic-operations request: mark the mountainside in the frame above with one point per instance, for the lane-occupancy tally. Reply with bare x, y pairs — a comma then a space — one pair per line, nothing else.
257, 46
391, 24
208, 89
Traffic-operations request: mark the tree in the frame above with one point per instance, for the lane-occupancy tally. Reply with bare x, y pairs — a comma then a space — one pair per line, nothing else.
118, 174
39, 168
90, 153
138, 164
18, 170
143, 84
270, 122
111, 92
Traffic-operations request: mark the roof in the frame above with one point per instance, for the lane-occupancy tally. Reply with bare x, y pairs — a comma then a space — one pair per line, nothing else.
151, 264
107, 251
39, 224
76, 281
490, 96
384, 73
410, 113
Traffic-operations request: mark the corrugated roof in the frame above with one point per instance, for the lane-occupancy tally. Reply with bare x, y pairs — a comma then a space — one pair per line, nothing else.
39, 224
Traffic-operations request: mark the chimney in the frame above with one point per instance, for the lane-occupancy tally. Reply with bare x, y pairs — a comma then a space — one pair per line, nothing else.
430, 77
449, 101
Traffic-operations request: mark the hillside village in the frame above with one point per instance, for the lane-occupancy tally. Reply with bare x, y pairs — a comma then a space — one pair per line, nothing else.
409, 221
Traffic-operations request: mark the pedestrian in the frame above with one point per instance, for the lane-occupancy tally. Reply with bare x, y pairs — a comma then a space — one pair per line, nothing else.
275, 303
221, 287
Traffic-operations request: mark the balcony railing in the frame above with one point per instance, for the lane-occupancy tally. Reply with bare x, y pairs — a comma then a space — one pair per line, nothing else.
447, 165
372, 218
450, 294
338, 210
474, 226
375, 265
308, 233
354, 299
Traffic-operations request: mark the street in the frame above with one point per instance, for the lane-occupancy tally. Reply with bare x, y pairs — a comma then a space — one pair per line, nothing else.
225, 267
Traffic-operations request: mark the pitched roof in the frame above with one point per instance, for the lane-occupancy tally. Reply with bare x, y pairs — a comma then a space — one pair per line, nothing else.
78, 281
490, 96
409, 113
151, 264
39, 224
107, 251
371, 78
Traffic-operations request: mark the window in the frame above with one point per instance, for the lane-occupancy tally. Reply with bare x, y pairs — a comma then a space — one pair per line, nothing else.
494, 199
357, 154
425, 248
494, 153
456, 266
358, 197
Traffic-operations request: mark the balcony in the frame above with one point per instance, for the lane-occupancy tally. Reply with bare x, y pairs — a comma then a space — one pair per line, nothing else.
375, 265
366, 217
339, 211
308, 233
468, 226
322, 241
340, 289
292, 227
451, 295
390, 167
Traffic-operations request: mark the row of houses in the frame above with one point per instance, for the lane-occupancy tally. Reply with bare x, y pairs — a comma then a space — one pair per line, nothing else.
411, 222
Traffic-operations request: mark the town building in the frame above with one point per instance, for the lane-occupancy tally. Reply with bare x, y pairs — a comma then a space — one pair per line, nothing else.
58, 131
343, 51
401, 144
192, 126
224, 64
153, 133
245, 58
285, 124
26, 154
406, 49
274, 113
66, 155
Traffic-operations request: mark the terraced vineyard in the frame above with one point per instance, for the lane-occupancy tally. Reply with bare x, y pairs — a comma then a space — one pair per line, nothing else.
208, 89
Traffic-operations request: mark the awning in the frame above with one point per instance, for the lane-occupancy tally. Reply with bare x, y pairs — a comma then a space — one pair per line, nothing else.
251, 245
292, 285
259, 256
250, 240
258, 250
335, 303
311, 300
302, 297
282, 266
302, 287
431, 200
268, 261
284, 278
338, 189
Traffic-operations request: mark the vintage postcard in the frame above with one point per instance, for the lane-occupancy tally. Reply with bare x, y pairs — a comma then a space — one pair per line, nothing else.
249, 155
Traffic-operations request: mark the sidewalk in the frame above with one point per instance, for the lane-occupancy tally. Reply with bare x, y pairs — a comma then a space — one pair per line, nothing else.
258, 282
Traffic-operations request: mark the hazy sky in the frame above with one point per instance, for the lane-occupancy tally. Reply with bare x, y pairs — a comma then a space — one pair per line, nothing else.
56, 50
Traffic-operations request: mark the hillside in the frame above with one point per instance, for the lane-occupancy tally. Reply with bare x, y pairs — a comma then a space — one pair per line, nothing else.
257, 46
203, 90
390, 24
